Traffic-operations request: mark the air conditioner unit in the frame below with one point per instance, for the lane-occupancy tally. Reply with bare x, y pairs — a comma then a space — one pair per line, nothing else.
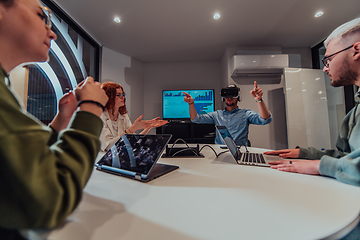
244, 66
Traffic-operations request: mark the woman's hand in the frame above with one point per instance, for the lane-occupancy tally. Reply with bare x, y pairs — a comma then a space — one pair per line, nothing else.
91, 90
67, 106
147, 125
310, 167
157, 122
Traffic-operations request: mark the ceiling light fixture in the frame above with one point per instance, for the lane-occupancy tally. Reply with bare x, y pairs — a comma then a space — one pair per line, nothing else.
216, 16
319, 14
117, 20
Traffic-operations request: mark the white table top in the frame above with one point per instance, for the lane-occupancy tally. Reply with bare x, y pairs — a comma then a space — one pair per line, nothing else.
212, 198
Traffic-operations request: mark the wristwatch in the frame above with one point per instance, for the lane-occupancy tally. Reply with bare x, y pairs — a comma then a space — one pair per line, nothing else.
260, 100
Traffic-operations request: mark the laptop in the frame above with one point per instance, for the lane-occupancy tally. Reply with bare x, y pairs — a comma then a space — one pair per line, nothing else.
244, 158
135, 156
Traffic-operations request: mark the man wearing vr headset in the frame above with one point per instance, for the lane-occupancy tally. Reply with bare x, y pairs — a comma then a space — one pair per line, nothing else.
235, 119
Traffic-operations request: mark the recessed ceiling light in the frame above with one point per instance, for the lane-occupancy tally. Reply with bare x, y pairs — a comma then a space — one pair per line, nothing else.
117, 20
216, 16
319, 14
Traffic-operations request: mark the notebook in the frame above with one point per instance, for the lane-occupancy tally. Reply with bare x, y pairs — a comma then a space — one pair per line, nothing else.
245, 157
135, 156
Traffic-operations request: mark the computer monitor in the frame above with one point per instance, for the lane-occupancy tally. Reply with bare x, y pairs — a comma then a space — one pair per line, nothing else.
174, 106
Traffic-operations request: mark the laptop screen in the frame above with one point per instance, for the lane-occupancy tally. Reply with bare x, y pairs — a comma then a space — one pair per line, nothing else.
229, 141
135, 153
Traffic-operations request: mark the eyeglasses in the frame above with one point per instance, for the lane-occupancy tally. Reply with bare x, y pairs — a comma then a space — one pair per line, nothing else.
326, 60
120, 95
46, 16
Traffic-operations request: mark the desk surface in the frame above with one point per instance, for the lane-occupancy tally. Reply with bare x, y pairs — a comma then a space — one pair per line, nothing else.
212, 198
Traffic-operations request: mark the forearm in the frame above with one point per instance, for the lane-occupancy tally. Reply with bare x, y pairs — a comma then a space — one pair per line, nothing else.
263, 110
313, 153
59, 123
345, 169
145, 131
50, 179
192, 110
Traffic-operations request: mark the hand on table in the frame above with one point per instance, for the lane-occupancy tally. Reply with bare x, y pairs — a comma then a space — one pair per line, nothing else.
310, 167
285, 153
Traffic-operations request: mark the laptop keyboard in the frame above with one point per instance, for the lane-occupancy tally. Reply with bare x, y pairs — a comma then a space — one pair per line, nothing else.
252, 158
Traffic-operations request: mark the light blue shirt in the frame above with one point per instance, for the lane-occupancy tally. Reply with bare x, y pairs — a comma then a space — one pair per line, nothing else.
237, 122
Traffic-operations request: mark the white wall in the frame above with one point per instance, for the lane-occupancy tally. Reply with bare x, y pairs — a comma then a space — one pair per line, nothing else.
178, 75
127, 72
273, 135
299, 57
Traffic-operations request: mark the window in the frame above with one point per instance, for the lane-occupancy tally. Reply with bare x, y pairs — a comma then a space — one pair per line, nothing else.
73, 57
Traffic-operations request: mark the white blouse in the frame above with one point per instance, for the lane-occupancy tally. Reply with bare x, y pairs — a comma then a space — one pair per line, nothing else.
112, 129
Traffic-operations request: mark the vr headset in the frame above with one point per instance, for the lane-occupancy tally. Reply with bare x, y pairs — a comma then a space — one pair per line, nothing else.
231, 91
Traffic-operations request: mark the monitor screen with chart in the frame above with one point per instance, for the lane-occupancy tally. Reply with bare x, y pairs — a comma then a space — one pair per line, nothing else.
174, 106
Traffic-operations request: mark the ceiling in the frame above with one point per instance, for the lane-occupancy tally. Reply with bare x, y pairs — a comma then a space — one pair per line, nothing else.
184, 30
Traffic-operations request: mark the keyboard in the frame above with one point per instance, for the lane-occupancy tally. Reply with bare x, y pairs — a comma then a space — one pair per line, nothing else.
253, 158
177, 121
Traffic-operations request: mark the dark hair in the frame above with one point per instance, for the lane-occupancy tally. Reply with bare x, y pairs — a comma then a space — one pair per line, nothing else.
110, 90
233, 86
7, 3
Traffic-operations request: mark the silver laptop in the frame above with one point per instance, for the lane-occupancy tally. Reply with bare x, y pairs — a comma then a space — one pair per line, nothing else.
135, 156
245, 157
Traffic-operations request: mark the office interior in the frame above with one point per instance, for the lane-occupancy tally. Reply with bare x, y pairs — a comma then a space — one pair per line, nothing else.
144, 75
201, 200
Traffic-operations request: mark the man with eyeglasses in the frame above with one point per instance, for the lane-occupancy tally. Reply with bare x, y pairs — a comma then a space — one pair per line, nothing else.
342, 64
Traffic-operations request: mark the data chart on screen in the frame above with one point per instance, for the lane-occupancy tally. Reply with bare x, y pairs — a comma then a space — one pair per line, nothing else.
174, 106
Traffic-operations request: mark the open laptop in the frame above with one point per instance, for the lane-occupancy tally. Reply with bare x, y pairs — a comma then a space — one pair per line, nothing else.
135, 156
245, 158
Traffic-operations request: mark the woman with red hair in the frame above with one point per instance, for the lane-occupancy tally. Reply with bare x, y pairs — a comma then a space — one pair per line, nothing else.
115, 118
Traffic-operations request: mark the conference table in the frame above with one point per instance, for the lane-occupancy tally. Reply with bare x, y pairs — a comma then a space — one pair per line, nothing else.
212, 198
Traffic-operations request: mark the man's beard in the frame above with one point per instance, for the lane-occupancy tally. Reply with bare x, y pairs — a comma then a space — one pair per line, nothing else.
231, 104
347, 76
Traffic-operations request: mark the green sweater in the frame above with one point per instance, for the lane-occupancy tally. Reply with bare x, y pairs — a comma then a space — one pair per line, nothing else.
343, 163
42, 175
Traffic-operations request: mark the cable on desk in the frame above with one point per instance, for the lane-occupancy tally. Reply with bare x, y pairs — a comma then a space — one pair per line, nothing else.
179, 139
217, 155
182, 150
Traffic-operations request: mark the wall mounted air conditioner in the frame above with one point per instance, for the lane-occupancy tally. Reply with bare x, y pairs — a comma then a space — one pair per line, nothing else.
243, 66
